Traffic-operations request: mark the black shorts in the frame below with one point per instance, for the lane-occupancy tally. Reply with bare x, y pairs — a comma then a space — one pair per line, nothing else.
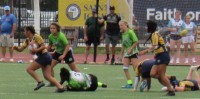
44, 59
68, 58
94, 83
92, 40
132, 56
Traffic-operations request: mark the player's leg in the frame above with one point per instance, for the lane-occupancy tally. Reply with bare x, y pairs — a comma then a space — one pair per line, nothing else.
47, 75
114, 41
87, 51
3, 47
69, 59
107, 42
163, 77
185, 44
154, 72
172, 50
31, 70
127, 73
192, 47
196, 76
178, 50
10, 46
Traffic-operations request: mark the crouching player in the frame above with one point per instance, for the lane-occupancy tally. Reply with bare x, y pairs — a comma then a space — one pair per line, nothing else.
143, 70
77, 81
187, 84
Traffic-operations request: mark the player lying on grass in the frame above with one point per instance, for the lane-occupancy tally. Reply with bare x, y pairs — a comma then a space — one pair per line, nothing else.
187, 84
77, 81
143, 70
43, 60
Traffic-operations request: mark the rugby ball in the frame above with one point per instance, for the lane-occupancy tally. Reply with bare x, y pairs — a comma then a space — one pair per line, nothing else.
184, 32
164, 88
32, 46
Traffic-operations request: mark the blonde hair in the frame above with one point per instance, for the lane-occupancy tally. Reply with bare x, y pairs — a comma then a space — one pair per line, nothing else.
125, 22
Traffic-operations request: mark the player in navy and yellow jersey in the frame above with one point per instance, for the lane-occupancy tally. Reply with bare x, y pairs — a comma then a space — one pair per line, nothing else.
143, 70
188, 84
43, 61
161, 56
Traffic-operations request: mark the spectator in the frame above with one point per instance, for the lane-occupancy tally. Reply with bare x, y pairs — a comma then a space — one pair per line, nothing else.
90, 33
112, 33
175, 26
189, 39
7, 30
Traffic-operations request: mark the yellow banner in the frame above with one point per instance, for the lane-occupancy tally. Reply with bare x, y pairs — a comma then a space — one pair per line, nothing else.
75, 12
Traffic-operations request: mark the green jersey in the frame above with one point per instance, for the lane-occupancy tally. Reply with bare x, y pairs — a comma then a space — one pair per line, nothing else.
59, 42
128, 39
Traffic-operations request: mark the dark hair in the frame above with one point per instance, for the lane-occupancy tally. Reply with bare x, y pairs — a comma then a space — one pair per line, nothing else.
30, 28
57, 26
151, 28
64, 74
112, 7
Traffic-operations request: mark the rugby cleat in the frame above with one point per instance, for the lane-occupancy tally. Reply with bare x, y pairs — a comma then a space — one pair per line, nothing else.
60, 90
127, 86
143, 85
104, 86
170, 93
39, 85
112, 61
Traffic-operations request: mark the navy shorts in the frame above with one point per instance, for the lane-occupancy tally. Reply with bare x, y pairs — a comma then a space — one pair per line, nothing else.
175, 37
68, 58
162, 58
146, 68
44, 59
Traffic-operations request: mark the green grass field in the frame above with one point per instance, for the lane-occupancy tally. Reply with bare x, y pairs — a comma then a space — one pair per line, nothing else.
15, 83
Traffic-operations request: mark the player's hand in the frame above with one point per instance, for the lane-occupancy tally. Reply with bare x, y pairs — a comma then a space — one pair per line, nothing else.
15, 48
174, 30
61, 57
129, 51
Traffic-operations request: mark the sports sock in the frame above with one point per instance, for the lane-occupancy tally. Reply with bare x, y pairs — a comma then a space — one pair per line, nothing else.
100, 84
129, 82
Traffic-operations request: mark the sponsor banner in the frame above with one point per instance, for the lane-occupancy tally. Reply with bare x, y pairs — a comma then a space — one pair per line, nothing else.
75, 12
163, 10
